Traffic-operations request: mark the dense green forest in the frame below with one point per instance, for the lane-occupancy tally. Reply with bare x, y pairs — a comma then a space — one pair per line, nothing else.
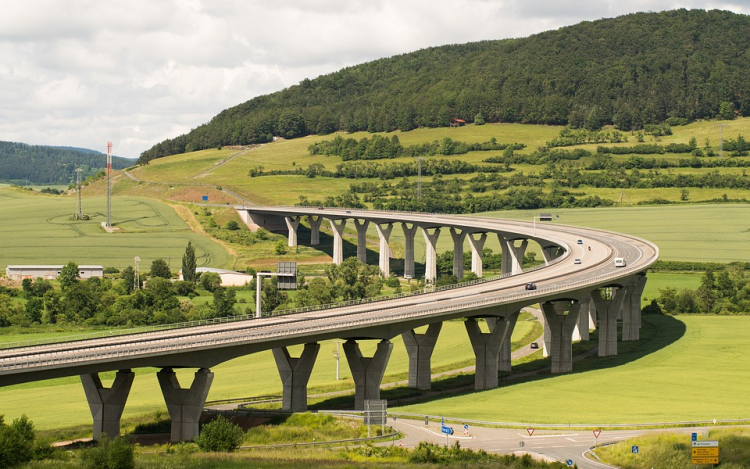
630, 71
24, 164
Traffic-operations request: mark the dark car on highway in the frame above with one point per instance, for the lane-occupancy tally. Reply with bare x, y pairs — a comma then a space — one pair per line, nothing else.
530, 286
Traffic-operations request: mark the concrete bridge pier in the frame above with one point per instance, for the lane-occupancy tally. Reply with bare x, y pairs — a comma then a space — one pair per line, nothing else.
487, 351
430, 240
551, 253
295, 373
384, 233
516, 255
458, 252
419, 347
508, 324
337, 226
292, 223
505, 263
367, 372
607, 308
477, 245
107, 404
185, 405
362, 239
631, 314
561, 328
409, 234
583, 319
314, 229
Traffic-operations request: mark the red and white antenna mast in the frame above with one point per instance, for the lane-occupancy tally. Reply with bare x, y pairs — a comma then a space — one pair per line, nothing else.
109, 184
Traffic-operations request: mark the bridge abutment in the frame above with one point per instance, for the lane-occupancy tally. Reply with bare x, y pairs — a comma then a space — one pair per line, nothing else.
295, 373
367, 372
107, 404
185, 405
561, 327
419, 347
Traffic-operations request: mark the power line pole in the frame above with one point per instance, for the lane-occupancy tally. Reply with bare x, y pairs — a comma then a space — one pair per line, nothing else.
721, 139
79, 206
109, 184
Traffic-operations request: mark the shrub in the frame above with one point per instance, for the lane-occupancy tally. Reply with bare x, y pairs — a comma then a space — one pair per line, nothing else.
16, 442
110, 454
220, 435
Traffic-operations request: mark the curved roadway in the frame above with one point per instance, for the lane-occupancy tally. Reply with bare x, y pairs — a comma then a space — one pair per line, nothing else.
208, 345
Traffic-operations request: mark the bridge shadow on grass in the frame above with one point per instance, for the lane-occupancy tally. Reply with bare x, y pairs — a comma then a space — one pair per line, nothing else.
657, 332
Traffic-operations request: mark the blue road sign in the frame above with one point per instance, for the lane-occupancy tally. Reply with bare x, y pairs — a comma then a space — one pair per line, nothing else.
570, 462
447, 430
695, 437
634, 449
466, 426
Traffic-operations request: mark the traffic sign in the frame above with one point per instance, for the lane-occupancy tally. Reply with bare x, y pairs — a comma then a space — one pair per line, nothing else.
706, 443
597, 433
466, 426
694, 437
447, 430
708, 452
530, 431
569, 462
634, 449
706, 460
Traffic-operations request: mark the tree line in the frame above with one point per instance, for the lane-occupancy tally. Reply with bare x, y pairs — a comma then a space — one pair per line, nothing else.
632, 71
24, 164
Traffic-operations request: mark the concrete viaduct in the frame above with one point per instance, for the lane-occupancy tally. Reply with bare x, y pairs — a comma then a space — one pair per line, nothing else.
574, 297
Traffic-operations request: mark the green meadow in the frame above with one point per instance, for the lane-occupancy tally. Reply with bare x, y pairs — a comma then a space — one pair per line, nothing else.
684, 368
249, 376
38, 229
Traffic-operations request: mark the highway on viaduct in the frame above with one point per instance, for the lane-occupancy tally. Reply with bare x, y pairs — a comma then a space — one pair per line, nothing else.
563, 281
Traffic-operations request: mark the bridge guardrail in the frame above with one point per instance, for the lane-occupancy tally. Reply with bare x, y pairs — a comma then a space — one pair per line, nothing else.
168, 344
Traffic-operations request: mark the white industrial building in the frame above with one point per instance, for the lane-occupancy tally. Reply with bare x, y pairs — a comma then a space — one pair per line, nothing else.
229, 278
50, 272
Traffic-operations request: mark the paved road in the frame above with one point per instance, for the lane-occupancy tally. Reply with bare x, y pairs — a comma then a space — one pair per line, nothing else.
208, 345
559, 445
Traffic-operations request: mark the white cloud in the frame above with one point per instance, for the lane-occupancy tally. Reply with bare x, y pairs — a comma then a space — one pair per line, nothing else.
82, 72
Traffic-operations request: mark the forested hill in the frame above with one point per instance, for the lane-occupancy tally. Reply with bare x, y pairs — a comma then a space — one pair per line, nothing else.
629, 71
34, 164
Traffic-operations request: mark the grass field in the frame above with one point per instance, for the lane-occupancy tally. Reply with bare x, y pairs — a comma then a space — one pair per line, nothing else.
688, 368
37, 229
192, 168
252, 375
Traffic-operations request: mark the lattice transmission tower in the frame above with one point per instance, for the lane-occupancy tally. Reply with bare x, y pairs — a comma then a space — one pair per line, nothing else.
109, 184
79, 205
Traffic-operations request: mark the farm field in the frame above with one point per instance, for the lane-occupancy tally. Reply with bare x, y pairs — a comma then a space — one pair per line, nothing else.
205, 167
38, 230
252, 375
673, 375
709, 232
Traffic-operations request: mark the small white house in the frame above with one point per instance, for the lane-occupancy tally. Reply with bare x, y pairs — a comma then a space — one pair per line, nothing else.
229, 278
50, 272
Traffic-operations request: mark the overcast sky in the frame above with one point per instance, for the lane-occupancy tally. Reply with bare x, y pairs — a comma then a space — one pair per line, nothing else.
82, 72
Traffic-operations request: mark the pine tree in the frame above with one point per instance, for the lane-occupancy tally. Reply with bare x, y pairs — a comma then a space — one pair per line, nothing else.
188, 263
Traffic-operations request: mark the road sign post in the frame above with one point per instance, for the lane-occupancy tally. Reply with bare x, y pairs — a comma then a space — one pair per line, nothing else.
446, 429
